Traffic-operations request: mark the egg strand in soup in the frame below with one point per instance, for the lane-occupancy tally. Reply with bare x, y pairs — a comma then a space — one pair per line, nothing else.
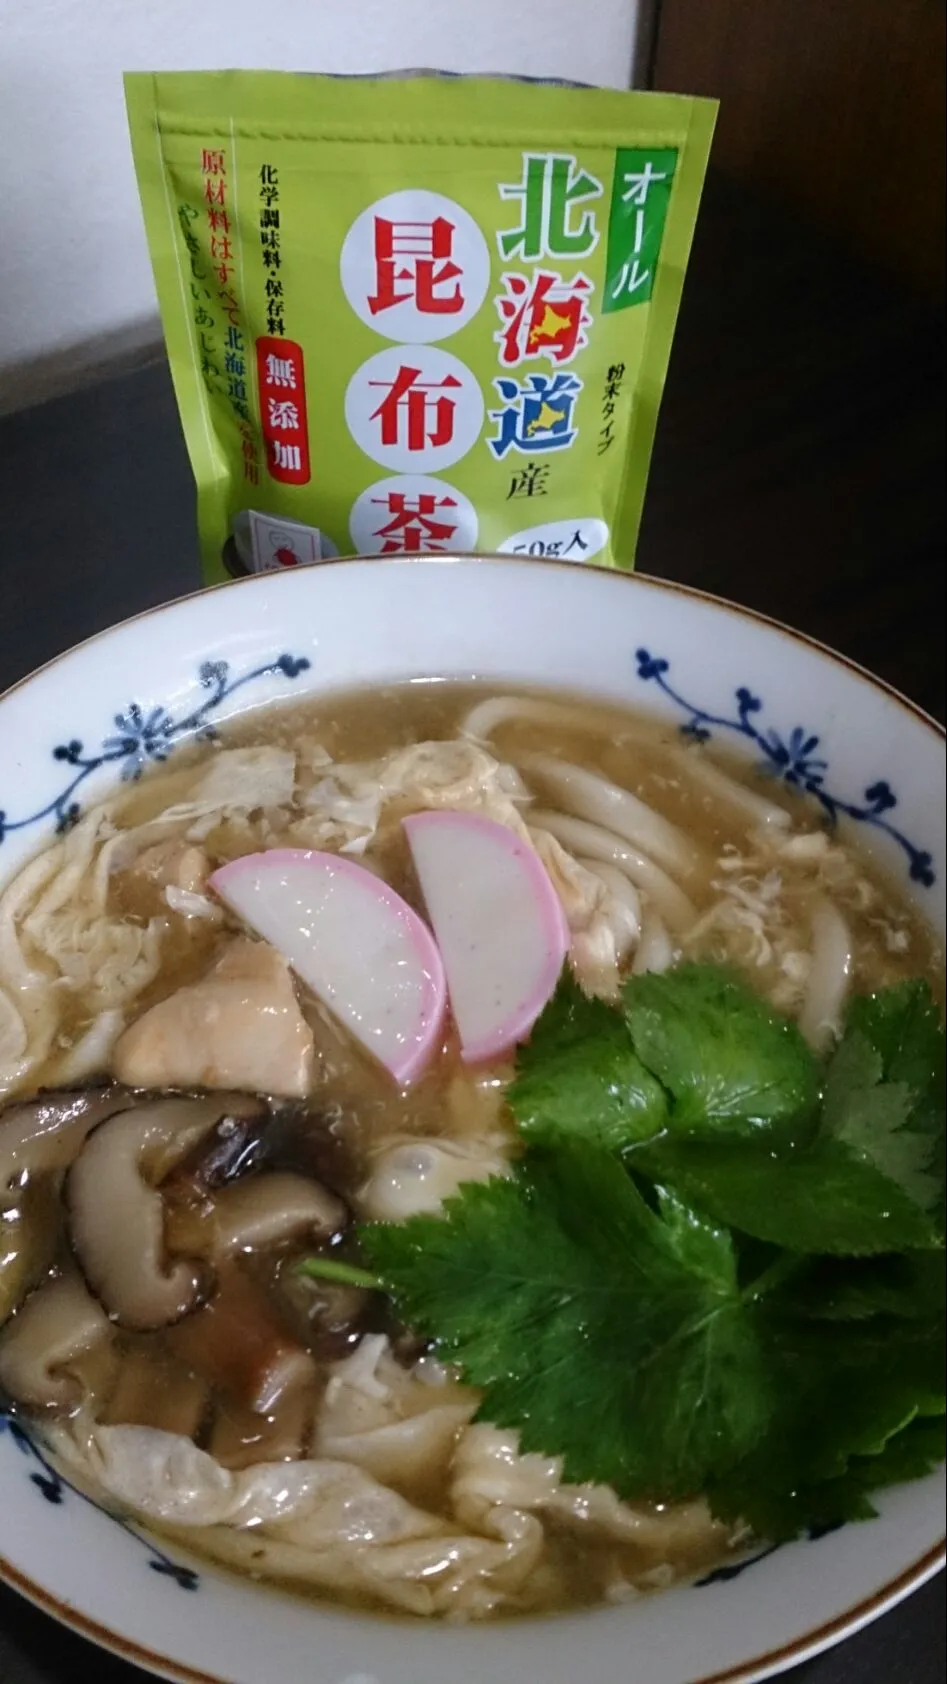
215, 1073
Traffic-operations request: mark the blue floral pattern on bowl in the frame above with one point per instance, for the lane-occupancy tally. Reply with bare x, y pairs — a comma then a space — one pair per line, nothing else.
144, 738
791, 757
53, 1485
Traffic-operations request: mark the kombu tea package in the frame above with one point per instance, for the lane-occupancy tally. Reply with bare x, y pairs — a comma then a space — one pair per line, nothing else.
415, 314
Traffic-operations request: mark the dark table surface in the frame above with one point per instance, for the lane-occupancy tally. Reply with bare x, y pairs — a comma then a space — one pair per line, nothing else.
798, 469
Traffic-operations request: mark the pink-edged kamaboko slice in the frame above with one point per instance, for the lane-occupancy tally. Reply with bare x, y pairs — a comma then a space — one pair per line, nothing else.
350, 938
498, 922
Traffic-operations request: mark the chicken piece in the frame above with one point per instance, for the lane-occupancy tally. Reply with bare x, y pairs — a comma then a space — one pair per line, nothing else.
177, 864
142, 886
239, 1027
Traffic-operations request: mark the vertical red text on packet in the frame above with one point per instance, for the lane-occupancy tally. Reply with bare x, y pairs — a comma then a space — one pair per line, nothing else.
283, 409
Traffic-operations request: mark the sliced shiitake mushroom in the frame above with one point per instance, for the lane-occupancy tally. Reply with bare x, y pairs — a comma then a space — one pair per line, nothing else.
55, 1327
29, 1234
245, 1115
116, 1214
45, 1134
320, 1143
266, 1210
330, 1317
234, 1147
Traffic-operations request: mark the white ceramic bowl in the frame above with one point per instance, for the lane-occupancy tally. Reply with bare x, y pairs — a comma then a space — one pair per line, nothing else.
124, 699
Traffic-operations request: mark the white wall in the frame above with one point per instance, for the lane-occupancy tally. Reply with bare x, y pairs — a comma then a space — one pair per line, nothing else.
74, 277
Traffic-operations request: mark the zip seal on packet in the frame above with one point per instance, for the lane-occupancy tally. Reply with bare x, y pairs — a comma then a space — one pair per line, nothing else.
415, 313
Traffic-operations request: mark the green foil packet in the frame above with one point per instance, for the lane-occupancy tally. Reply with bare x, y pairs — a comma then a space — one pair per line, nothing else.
415, 314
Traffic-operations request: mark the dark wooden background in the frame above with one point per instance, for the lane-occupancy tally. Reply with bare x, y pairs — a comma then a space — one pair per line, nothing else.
832, 108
